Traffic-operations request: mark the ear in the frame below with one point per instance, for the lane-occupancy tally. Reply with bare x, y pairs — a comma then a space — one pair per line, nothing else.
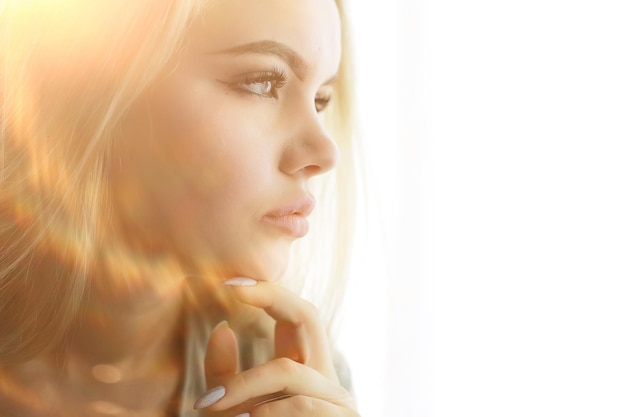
222, 355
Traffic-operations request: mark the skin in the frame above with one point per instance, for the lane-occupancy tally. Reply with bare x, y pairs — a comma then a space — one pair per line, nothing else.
217, 143
301, 377
219, 153
303, 367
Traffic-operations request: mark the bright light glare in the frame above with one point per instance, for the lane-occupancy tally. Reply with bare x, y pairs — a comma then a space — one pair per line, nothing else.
498, 141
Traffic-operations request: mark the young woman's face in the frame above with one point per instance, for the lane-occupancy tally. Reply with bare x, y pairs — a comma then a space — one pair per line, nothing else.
216, 156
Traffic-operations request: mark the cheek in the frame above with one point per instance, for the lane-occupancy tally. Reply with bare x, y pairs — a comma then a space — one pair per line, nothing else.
198, 139
216, 169
199, 176
224, 156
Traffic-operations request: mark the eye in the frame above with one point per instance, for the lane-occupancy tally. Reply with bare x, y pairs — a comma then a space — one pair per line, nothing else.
264, 84
321, 102
263, 88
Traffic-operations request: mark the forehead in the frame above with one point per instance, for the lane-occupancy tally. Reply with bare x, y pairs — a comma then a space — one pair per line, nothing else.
311, 28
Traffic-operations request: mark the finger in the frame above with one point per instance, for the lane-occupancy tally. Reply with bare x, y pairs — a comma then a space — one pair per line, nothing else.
279, 302
279, 376
221, 361
299, 332
290, 341
222, 354
303, 406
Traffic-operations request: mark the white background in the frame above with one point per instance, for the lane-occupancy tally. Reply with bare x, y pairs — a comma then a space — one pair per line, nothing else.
491, 277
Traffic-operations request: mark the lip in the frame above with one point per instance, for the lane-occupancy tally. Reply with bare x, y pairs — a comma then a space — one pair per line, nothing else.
291, 218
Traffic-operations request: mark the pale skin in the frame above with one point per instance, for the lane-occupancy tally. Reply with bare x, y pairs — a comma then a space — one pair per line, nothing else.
235, 126
303, 368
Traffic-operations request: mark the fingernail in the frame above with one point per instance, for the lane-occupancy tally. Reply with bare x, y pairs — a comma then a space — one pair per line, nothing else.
240, 282
243, 415
220, 324
210, 398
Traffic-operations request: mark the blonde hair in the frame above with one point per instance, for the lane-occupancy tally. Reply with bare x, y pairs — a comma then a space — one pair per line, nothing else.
69, 70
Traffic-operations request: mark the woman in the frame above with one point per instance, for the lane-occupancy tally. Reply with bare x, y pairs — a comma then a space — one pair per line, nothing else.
157, 162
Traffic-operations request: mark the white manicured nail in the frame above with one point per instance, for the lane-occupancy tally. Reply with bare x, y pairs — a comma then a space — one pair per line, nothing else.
220, 324
240, 282
243, 415
210, 398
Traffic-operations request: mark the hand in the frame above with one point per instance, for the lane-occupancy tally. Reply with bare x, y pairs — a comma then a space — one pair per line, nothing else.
300, 382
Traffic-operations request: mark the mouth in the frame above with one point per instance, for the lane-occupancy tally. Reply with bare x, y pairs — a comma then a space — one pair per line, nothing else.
291, 218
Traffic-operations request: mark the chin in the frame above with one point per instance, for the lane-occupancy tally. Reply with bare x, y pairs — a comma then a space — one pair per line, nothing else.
269, 266
271, 272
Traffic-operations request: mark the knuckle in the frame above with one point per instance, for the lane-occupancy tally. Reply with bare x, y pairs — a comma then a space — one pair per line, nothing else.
302, 404
308, 313
245, 379
343, 394
310, 310
288, 366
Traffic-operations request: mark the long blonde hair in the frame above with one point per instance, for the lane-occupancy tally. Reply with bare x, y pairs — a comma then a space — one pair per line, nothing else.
69, 70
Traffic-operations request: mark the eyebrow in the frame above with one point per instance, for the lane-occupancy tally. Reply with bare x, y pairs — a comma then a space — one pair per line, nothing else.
269, 47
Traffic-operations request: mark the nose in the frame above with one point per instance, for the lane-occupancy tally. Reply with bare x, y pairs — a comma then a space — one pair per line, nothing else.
310, 150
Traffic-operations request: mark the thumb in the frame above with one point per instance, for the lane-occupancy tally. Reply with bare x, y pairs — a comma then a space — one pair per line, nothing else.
222, 354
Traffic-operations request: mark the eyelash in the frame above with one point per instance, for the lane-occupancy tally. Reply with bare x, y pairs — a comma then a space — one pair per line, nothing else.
277, 79
321, 102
